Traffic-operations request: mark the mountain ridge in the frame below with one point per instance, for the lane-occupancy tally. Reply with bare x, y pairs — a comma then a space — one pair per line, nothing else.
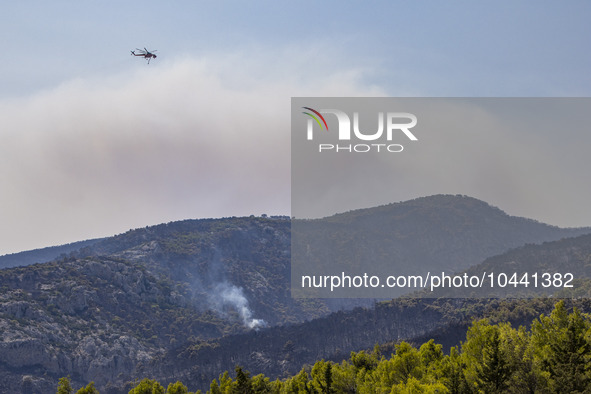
43, 255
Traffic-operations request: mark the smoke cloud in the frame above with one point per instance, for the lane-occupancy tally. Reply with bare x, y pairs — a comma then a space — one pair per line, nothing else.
227, 295
180, 138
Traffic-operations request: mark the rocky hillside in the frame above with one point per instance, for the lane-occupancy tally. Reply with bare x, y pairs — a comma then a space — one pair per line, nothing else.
99, 314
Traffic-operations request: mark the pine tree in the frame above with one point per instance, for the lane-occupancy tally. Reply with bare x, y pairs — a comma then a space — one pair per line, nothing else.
299, 384
89, 389
563, 348
64, 387
242, 384
322, 377
177, 388
494, 372
148, 386
452, 371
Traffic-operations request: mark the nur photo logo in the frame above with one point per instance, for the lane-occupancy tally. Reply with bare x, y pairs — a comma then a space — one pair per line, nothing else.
390, 125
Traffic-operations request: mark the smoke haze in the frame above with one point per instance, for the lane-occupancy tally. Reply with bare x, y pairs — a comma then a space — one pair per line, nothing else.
187, 138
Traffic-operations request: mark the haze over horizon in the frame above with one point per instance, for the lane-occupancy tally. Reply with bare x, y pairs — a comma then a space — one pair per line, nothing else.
96, 142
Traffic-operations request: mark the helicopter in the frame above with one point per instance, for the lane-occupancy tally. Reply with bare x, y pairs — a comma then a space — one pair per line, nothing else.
145, 53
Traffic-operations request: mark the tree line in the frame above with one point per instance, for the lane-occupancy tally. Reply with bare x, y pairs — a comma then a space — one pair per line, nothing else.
553, 356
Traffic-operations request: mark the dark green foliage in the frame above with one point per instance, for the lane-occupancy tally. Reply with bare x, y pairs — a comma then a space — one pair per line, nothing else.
494, 372
322, 380
562, 343
177, 388
243, 383
89, 389
261, 384
364, 360
64, 386
298, 384
452, 373
147, 386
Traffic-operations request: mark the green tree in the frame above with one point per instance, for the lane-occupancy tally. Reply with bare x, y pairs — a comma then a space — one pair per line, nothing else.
322, 377
413, 385
452, 372
64, 386
224, 386
261, 384
243, 383
148, 386
488, 365
344, 378
526, 377
494, 371
214, 387
430, 353
563, 350
89, 389
299, 384
177, 388
406, 363
363, 360
431, 356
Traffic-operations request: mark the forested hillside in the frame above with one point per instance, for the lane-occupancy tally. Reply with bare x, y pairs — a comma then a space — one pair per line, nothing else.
186, 300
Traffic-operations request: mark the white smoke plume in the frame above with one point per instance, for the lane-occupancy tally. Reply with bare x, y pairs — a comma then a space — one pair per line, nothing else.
227, 295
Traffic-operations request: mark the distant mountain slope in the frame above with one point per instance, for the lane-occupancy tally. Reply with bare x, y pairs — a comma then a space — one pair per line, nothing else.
124, 305
43, 255
436, 233
558, 268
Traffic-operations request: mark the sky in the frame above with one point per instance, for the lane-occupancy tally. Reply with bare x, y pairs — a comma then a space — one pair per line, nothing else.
95, 142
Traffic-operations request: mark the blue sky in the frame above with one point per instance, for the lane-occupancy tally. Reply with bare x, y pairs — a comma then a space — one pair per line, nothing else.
427, 48
96, 142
